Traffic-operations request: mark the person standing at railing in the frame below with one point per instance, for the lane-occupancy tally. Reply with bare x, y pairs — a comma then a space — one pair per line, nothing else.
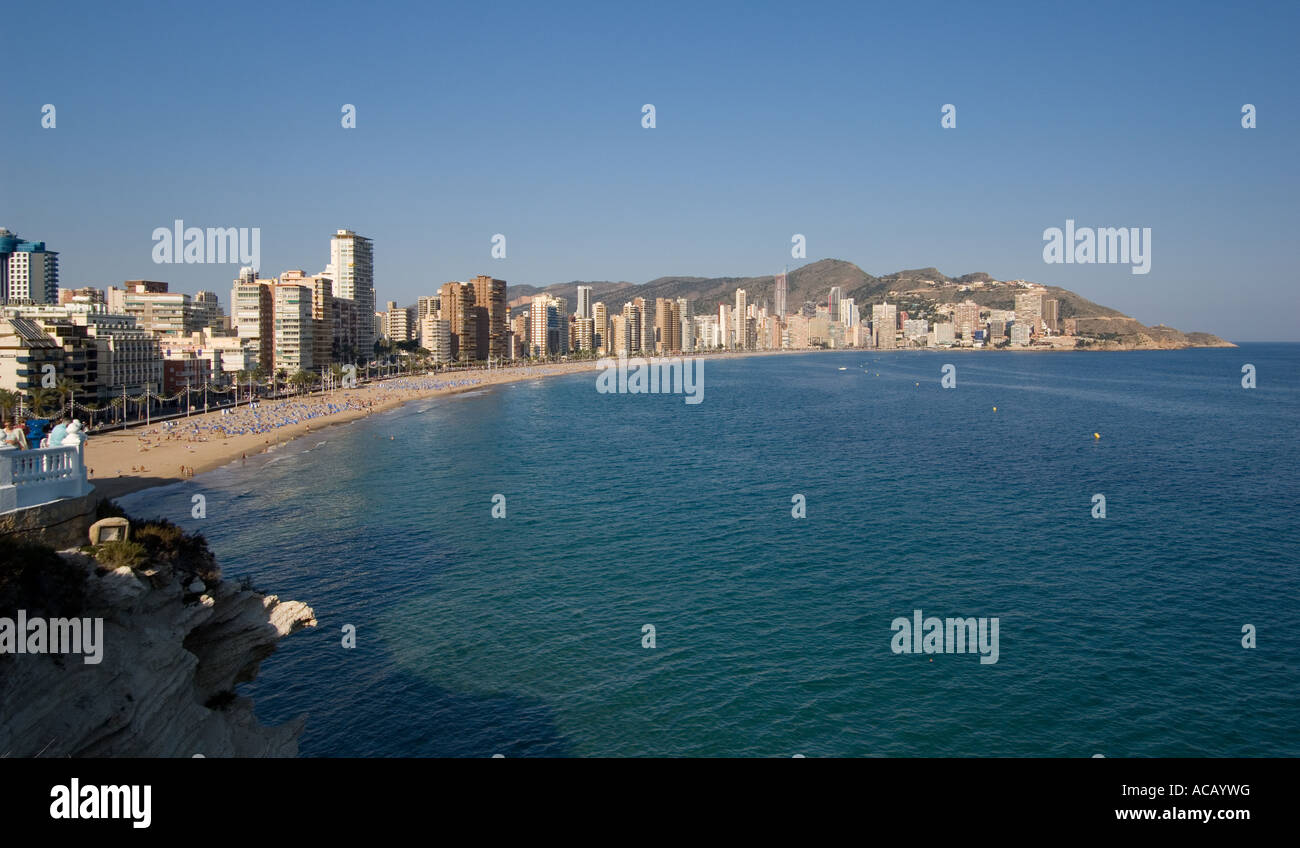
13, 437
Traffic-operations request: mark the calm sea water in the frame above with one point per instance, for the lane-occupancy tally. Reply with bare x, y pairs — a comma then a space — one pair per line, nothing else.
522, 636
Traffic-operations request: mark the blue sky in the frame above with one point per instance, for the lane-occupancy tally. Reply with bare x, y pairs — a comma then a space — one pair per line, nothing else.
772, 119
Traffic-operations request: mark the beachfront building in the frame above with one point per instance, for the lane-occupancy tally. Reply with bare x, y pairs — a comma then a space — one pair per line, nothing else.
28, 272
457, 306
252, 314
294, 332
584, 335
397, 323
884, 322
668, 325
25, 350
686, 321
780, 296
632, 321
490, 316
352, 270
618, 340
435, 337
156, 309
548, 326
600, 327
583, 309
519, 336
1020, 334
738, 326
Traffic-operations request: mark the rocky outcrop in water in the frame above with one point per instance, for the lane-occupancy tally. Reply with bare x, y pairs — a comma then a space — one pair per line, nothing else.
174, 645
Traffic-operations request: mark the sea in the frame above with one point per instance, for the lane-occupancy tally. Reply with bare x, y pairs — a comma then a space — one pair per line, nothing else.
543, 569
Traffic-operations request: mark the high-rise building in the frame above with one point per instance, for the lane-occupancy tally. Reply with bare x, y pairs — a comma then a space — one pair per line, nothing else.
322, 313
618, 339
584, 334
632, 320
848, 313
519, 335
686, 324
352, 269
252, 314
739, 326
833, 302
28, 272
548, 326
884, 317
668, 325
966, 317
399, 323
645, 336
156, 309
780, 294
294, 331
1052, 314
1029, 312
584, 302
457, 307
426, 306
600, 319
435, 337
491, 315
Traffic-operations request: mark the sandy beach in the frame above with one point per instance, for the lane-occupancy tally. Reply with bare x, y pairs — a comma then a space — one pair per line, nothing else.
126, 461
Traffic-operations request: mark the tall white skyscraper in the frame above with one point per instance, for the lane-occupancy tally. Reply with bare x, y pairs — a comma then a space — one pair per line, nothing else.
742, 310
780, 294
352, 268
584, 302
848, 312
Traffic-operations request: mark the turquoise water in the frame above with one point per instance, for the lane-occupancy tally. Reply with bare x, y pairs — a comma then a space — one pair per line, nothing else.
523, 635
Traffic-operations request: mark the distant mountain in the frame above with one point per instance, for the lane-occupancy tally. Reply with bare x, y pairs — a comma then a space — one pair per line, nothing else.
918, 291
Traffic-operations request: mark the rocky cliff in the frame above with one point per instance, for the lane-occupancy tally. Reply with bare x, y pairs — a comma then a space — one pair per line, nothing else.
176, 640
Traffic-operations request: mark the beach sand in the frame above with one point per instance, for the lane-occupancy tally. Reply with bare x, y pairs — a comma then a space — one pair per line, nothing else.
125, 461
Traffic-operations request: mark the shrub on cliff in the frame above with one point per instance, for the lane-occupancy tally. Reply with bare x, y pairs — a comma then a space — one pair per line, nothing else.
120, 552
36, 579
169, 545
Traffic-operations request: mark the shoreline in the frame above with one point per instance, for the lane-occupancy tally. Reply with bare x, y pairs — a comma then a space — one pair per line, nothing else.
146, 457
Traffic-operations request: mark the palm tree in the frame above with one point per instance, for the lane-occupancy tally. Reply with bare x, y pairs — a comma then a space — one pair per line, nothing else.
41, 400
8, 403
66, 388
302, 380
279, 376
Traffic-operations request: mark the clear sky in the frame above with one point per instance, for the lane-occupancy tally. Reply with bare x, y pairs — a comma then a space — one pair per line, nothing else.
772, 119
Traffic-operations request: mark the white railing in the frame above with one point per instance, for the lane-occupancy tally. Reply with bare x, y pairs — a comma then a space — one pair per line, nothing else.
31, 477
